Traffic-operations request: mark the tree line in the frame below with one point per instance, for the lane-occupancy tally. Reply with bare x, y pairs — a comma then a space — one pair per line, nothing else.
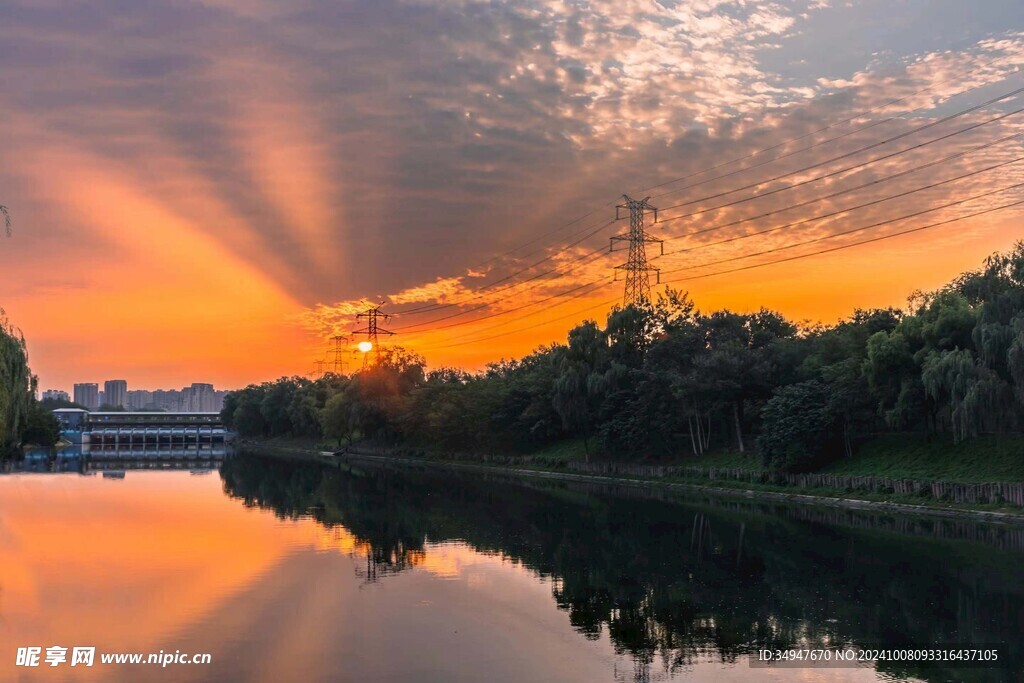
664, 380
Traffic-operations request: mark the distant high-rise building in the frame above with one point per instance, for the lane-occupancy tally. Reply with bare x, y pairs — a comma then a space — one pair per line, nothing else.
115, 393
140, 399
87, 395
168, 399
56, 395
200, 398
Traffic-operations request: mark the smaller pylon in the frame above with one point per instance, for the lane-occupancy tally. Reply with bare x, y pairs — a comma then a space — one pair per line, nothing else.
338, 365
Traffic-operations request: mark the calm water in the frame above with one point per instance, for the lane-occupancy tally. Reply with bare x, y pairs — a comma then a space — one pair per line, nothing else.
288, 572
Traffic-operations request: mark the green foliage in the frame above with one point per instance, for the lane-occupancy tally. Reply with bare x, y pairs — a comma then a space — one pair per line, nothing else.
970, 390
799, 431
579, 385
956, 363
41, 427
337, 419
23, 420
52, 404
17, 386
664, 380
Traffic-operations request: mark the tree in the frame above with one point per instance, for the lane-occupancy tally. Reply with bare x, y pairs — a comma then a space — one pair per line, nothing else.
579, 388
52, 404
641, 421
17, 385
337, 419
894, 378
274, 407
972, 392
799, 427
304, 409
663, 377
41, 427
738, 365
241, 411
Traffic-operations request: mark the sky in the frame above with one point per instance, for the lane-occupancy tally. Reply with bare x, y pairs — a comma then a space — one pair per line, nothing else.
209, 190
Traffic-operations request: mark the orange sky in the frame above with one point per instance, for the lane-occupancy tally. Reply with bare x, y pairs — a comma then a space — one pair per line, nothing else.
207, 193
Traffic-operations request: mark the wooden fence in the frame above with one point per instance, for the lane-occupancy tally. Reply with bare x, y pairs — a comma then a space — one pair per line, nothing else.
1004, 493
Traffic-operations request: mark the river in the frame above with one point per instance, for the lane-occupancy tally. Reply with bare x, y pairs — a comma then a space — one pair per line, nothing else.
297, 572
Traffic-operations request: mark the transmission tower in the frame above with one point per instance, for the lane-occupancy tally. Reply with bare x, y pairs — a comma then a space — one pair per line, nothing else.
319, 372
373, 317
338, 362
638, 281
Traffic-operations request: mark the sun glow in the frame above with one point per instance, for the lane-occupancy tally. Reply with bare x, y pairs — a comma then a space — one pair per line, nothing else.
365, 346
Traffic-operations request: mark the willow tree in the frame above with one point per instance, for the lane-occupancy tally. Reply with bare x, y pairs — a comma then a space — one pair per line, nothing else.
17, 385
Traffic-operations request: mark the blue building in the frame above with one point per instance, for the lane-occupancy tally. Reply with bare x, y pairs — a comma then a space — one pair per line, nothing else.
144, 434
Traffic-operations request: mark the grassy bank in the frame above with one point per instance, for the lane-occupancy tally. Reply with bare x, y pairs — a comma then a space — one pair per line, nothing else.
984, 460
911, 456
979, 460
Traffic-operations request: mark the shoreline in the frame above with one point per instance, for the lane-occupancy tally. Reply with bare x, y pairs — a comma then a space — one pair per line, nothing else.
805, 499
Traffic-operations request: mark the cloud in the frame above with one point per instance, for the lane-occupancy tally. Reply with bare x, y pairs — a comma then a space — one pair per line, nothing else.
350, 151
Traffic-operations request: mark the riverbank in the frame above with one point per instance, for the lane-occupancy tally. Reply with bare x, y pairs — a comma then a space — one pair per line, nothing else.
862, 500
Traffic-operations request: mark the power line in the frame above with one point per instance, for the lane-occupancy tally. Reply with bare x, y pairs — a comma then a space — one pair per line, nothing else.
436, 307
432, 307
849, 154
853, 230
583, 290
588, 284
551, 232
847, 209
852, 244
465, 342
841, 247
870, 183
513, 310
823, 142
950, 157
819, 130
777, 249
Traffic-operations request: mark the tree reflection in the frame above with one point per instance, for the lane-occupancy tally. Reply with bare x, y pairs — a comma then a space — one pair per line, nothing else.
668, 581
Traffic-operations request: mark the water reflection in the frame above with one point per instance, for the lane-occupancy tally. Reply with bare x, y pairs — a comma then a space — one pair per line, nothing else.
294, 572
675, 584
85, 460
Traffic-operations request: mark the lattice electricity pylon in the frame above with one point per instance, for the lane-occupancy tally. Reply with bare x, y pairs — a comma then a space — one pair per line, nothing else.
338, 360
638, 281
373, 329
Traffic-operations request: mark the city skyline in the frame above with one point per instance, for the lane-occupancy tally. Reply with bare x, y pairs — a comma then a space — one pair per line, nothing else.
198, 396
